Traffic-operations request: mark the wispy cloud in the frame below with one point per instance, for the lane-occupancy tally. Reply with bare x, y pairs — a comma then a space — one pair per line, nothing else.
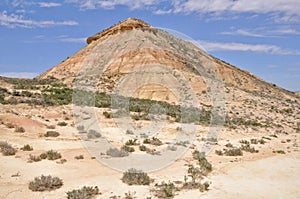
282, 10
260, 48
19, 74
287, 31
243, 33
14, 20
48, 4
93, 4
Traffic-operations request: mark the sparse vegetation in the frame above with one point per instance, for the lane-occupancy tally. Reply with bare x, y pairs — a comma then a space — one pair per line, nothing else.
154, 141
79, 157
135, 177
83, 193
114, 152
127, 148
62, 123
33, 158
233, 152
19, 129
107, 114
52, 155
45, 183
7, 149
93, 134
165, 190
27, 147
51, 134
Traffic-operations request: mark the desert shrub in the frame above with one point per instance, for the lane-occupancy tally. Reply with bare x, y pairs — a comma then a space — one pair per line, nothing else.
229, 145
205, 166
253, 141
83, 193
43, 156
154, 141
130, 195
183, 143
195, 173
172, 148
114, 152
165, 190
62, 123
244, 142
61, 161
19, 129
50, 126
51, 134
79, 157
204, 187
7, 149
219, 152
93, 134
248, 148
279, 151
142, 148
10, 125
27, 147
53, 155
127, 148
131, 142
135, 177
34, 158
45, 183
107, 114
233, 152
129, 132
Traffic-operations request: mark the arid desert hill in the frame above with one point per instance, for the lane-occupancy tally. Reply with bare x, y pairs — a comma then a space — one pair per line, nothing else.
137, 91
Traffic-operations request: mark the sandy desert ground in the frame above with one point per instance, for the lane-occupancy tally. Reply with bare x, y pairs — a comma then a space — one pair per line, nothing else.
254, 175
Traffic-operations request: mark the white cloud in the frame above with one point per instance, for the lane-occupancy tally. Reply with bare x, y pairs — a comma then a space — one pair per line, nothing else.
111, 4
260, 48
285, 10
288, 31
243, 33
14, 20
19, 74
48, 4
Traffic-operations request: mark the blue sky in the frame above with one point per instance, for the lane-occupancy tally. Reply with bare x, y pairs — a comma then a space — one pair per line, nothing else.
261, 36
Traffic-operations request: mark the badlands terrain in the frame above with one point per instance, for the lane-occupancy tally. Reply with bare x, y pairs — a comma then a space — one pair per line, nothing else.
138, 97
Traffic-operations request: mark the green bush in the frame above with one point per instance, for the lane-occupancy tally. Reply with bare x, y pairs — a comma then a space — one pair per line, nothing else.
127, 148
62, 123
83, 193
51, 134
45, 183
233, 152
135, 177
131, 142
19, 129
154, 141
53, 155
79, 157
27, 147
107, 114
142, 148
165, 190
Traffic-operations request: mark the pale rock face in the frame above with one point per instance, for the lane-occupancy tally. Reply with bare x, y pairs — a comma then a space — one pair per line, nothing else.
133, 43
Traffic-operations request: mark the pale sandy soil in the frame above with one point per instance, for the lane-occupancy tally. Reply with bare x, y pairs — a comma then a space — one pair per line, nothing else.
262, 175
